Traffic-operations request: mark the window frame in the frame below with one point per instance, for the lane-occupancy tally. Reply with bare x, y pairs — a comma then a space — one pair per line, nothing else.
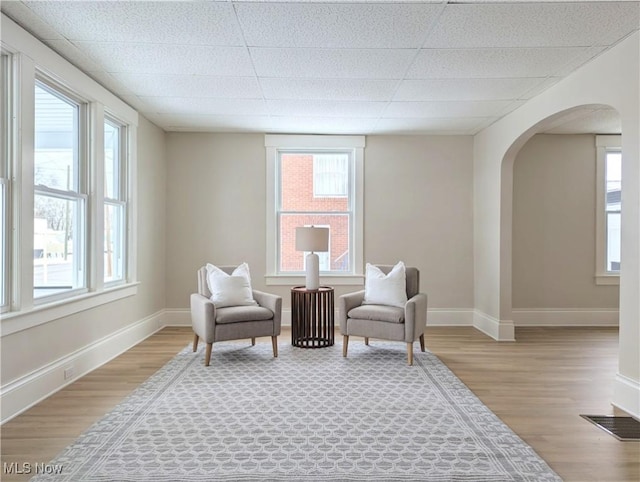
7, 110
31, 58
277, 144
77, 193
121, 196
604, 144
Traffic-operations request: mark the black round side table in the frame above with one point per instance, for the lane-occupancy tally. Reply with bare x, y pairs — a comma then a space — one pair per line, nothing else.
312, 323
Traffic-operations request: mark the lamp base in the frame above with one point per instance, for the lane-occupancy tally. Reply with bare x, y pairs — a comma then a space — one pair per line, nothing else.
312, 271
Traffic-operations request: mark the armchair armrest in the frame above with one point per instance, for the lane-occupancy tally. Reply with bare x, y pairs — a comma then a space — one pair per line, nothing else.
415, 317
345, 304
272, 302
203, 317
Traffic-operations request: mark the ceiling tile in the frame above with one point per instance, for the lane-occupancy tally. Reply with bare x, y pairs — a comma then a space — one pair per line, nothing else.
204, 106
328, 89
348, 25
492, 63
332, 63
321, 125
450, 109
324, 108
22, 15
220, 123
455, 126
533, 24
169, 59
191, 86
465, 89
193, 23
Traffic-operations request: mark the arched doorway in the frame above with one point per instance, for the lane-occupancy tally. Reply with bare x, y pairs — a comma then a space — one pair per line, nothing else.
549, 241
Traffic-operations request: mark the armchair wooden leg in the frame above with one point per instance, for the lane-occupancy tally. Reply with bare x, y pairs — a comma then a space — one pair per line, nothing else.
274, 344
366, 340
195, 341
345, 345
207, 354
422, 342
410, 353
253, 341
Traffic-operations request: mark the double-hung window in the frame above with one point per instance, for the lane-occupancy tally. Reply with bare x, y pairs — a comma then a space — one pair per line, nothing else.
314, 181
608, 215
115, 204
60, 182
67, 212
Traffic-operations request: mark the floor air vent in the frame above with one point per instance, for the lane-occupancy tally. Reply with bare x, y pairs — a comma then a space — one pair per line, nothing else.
622, 428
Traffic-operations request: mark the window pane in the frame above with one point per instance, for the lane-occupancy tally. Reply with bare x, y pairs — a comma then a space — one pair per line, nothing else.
111, 161
297, 184
56, 141
57, 245
613, 241
5, 143
113, 242
614, 180
336, 259
3, 245
613, 207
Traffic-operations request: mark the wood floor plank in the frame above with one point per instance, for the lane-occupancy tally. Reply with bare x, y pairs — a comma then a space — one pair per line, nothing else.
538, 385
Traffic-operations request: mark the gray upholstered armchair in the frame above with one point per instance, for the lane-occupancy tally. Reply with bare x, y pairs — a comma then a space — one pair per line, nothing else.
385, 322
213, 324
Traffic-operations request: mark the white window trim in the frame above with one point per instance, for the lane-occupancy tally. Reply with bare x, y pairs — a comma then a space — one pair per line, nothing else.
31, 55
122, 199
7, 141
274, 142
602, 276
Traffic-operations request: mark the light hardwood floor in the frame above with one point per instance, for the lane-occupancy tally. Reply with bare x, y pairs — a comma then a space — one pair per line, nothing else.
538, 386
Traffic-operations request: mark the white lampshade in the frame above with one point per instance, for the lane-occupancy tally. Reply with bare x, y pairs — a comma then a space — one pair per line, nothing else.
310, 238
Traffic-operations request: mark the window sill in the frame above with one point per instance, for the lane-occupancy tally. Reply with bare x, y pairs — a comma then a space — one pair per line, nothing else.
607, 279
16, 321
297, 280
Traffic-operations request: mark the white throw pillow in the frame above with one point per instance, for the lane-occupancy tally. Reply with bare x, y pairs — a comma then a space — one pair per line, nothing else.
389, 289
230, 290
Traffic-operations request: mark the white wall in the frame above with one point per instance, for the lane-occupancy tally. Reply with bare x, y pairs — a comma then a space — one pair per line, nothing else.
554, 227
417, 208
611, 79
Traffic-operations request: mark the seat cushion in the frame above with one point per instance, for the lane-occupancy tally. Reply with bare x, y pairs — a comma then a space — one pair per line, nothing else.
391, 314
235, 314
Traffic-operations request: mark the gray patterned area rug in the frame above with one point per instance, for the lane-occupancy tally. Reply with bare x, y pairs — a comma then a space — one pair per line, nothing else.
308, 415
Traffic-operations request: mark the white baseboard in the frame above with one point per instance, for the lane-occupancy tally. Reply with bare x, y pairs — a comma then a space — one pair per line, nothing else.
565, 317
24, 392
626, 395
435, 317
500, 330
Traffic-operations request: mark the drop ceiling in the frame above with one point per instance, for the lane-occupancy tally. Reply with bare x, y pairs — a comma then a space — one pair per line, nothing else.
332, 67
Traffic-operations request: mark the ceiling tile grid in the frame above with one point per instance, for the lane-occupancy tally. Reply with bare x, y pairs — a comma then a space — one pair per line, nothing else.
329, 66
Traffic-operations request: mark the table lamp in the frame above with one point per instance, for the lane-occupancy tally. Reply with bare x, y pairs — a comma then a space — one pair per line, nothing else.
310, 238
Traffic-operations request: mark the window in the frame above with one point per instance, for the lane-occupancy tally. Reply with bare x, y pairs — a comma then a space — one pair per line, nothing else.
115, 207
60, 165
608, 216
6, 123
67, 214
317, 181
